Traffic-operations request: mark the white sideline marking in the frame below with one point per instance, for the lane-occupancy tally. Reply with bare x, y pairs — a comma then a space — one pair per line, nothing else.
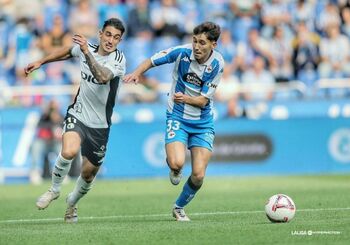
165, 215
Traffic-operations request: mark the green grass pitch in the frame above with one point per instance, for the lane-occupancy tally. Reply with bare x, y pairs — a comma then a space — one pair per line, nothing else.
227, 210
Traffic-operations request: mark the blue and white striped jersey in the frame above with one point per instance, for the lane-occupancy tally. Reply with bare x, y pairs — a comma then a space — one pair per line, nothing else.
191, 78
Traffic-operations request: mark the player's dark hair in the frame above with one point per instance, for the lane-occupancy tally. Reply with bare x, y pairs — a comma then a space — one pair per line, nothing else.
210, 29
116, 23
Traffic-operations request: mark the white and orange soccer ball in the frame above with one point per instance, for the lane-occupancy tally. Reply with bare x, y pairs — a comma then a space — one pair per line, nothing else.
280, 208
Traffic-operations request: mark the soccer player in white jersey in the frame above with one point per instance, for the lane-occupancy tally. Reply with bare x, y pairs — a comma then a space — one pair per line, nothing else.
88, 119
197, 72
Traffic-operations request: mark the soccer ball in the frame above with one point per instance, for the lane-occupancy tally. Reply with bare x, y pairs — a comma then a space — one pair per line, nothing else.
280, 208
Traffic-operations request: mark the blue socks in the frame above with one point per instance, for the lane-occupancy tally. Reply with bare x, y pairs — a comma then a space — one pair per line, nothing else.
187, 194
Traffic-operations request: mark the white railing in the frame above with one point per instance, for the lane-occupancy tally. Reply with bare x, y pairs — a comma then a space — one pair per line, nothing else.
6, 93
163, 88
332, 83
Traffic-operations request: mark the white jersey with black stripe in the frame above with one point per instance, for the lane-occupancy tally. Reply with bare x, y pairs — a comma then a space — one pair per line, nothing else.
94, 102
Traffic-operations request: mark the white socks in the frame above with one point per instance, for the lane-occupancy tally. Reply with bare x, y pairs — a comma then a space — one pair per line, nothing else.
60, 171
80, 190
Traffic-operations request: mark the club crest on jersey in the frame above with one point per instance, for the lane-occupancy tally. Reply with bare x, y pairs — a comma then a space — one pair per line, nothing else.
209, 68
193, 79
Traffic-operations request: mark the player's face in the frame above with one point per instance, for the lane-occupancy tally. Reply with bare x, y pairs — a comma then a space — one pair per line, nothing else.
109, 39
202, 47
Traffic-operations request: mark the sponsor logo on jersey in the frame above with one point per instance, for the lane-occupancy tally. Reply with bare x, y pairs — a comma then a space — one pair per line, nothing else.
185, 59
193, 79
211, 85
89, 78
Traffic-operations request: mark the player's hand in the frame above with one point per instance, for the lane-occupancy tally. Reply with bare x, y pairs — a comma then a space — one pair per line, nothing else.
131, 78
179, 97
82, 42
32, 67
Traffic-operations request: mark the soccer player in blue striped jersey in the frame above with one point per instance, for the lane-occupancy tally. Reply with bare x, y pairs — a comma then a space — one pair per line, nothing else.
197, 72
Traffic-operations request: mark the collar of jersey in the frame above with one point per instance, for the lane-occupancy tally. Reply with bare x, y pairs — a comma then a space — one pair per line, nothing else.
208, 62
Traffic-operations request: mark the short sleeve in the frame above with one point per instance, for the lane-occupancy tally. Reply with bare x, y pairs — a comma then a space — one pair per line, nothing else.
167, 56
75, 51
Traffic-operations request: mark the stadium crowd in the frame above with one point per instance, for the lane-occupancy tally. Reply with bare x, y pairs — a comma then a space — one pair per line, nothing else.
263, 42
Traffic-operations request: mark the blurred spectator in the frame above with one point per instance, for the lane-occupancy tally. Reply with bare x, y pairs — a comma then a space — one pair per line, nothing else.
83, 19
139, 21
19, 9
329, 16
273, 13
256, 46
335, 54
345, 14
343, 3
247, 26
4, 37
228, 92
167, 20
193, 14
246, 17
281, 62
52, 8
303, 11
47, 143
214, 10
23, 46
145, 92
8, 9
56, 37
305, 54
112, 9
258, 82
228, 48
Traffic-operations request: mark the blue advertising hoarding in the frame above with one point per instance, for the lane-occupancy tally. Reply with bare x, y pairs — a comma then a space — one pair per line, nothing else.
242, 147
314, 145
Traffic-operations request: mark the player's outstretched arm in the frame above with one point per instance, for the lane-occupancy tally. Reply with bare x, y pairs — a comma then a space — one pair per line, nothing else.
61, 54
101, 73
134, 77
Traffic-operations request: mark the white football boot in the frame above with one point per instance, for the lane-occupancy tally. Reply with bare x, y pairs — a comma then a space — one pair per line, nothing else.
71, 215
45, 199
180, 215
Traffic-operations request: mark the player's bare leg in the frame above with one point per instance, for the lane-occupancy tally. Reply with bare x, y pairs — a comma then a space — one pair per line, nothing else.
200, 157
175, 152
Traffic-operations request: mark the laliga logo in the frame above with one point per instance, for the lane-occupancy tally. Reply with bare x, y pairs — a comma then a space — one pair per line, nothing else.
339, 145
